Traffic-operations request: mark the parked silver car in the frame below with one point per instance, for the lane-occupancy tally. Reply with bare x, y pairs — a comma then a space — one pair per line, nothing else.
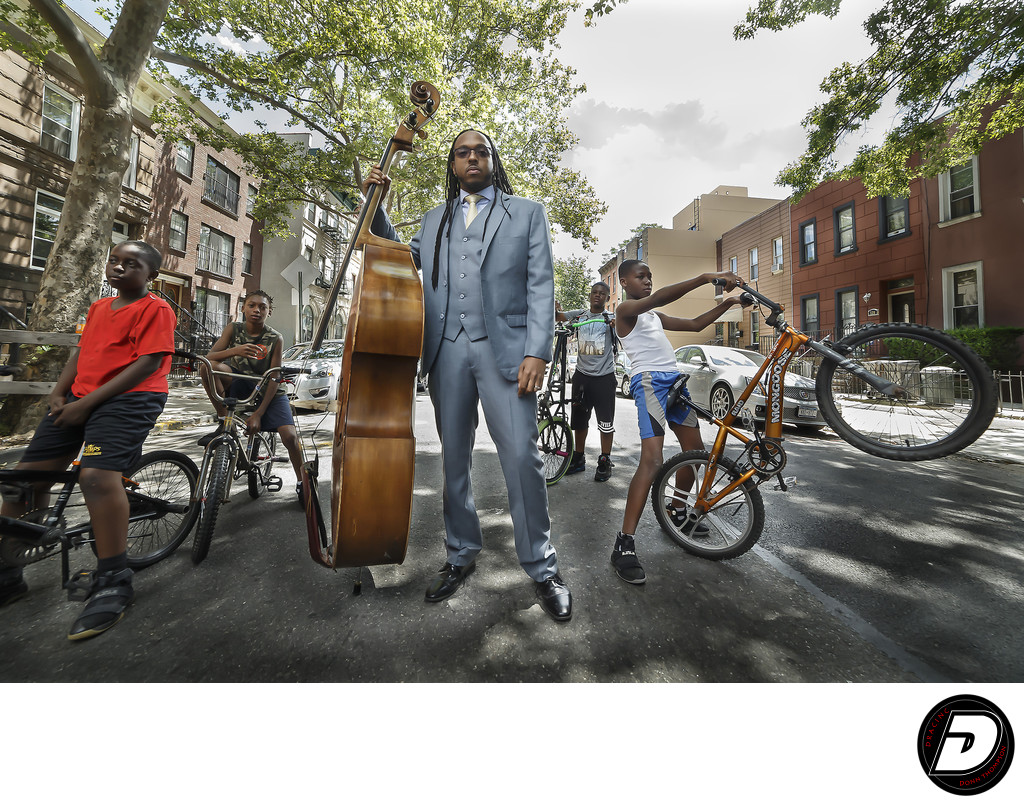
622, 373
718, 376
318, 390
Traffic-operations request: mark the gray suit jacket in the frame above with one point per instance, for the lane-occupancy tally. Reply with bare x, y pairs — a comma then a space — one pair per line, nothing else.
517, 279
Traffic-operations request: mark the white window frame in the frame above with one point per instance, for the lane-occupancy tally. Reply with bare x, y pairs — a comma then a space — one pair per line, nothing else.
945, 186
948, 292
191, 157
752, 260
778, 259
76, 118
131, 172
247, 258
812, 227
172, 231
35, 236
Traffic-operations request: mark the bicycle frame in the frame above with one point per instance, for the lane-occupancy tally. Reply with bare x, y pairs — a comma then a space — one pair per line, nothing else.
789, 342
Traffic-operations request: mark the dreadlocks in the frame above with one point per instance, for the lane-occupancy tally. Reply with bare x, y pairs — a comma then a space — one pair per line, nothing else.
499, 181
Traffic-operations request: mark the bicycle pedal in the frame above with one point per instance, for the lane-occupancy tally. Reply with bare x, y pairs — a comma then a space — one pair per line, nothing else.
280, 459
785, 483
81, 585
274, 484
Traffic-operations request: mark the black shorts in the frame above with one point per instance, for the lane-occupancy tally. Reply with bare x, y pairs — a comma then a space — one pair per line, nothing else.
278, 413
113, 434
596, 394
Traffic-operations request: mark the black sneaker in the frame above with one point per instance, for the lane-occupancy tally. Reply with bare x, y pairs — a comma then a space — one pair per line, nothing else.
604, 468
577, 464
680, 521
11, 591
205, 440
624, 560
112, 596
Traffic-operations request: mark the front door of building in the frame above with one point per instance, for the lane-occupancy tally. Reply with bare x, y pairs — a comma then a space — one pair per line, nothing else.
901, 307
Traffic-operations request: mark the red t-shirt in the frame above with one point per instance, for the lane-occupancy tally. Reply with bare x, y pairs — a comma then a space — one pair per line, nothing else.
114, 339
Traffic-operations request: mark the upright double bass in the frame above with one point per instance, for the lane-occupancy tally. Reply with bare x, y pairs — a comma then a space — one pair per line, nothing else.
373, 458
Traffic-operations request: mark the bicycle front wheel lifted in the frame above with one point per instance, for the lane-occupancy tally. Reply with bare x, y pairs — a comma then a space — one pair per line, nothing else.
209, 504
162, 506
555, 443
728, 529
944, 397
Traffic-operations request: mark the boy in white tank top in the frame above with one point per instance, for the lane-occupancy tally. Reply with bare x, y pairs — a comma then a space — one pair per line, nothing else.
641, 331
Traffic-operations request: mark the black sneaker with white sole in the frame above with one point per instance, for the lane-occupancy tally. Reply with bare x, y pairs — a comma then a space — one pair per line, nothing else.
625, 561
604, 468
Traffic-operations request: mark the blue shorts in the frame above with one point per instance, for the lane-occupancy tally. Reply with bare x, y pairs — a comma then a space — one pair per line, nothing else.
278, 413
650, 391
113, 434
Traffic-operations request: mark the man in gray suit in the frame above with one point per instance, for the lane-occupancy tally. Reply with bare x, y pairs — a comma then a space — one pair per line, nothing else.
489, 307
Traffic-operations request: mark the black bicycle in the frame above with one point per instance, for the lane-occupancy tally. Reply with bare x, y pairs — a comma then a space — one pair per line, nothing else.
226, 460
554, 435
161, 490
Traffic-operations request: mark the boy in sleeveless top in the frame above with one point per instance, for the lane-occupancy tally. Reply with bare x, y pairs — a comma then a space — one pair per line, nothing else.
641, 332
250, 347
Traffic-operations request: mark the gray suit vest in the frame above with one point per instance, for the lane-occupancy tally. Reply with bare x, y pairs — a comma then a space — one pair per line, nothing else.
465, 296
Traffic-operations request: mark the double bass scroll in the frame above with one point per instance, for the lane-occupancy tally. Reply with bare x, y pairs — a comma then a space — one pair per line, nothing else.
374, 448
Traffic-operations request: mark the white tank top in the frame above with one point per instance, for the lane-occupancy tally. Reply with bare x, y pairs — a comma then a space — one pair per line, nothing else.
648, 347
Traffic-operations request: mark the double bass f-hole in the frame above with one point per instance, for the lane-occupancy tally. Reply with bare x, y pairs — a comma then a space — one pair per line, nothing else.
374, 449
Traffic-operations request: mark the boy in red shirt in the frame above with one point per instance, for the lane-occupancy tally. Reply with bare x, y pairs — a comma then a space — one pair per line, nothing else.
108, 398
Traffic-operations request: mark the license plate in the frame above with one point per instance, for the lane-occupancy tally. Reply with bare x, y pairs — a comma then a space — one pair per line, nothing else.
810, 413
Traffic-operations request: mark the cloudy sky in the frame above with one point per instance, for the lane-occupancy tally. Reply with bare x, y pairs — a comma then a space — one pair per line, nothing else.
675, 106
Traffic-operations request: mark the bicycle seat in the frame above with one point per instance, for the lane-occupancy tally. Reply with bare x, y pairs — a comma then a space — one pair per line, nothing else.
676, 393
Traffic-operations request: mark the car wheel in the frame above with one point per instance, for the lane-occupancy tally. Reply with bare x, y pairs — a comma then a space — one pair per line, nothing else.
721, 401
624, 386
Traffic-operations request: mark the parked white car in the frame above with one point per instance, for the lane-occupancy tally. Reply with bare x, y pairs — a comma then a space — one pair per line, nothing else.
718, 376
317, 390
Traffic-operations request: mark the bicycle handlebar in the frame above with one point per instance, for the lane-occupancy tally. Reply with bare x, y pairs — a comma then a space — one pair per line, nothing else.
277, 373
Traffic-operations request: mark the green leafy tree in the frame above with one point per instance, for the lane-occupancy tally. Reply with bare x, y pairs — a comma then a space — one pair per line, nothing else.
339, 70
953, 70
573, 282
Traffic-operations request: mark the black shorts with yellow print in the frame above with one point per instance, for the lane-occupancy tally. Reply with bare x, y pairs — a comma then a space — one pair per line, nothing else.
112, 435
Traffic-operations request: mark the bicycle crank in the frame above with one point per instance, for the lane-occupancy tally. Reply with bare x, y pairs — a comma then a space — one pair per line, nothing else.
766, 456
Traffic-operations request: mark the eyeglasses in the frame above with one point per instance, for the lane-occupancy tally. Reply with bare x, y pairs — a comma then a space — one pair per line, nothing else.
482, 152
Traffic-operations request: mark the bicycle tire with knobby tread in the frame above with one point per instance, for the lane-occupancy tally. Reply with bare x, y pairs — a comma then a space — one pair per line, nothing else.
170, 477
216, 489
554, 439
734, 525
949, 405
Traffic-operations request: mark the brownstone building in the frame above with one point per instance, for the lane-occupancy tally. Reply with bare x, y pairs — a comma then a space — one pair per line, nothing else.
191, 204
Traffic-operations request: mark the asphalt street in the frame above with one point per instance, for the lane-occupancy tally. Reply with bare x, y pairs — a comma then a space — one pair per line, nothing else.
812, 603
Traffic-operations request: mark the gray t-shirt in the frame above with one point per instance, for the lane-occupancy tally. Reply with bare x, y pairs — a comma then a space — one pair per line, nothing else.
596, 355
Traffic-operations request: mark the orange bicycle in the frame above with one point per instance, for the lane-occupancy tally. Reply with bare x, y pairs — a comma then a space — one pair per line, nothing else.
904, 392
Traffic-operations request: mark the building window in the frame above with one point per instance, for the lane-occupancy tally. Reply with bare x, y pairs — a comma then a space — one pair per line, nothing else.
893, 214
846, 311
777, 258
308, 243
185, 158
732, 264
958, 191
808, 242
755, 330
216, 252
247, 258
962, 297
221, 186
753, 264
311, 212
213, 310
48, 210
128, 180
60, 122
639, 250
179, 231
250, 199
846, 239
809, 317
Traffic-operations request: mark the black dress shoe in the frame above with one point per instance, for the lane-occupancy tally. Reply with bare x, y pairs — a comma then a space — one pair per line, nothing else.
555, 598
451, 578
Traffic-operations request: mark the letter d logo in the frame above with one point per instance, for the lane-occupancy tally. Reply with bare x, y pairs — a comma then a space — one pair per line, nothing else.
965, 744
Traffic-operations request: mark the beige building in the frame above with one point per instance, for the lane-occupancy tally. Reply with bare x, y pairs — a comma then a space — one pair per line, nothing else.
689, 248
